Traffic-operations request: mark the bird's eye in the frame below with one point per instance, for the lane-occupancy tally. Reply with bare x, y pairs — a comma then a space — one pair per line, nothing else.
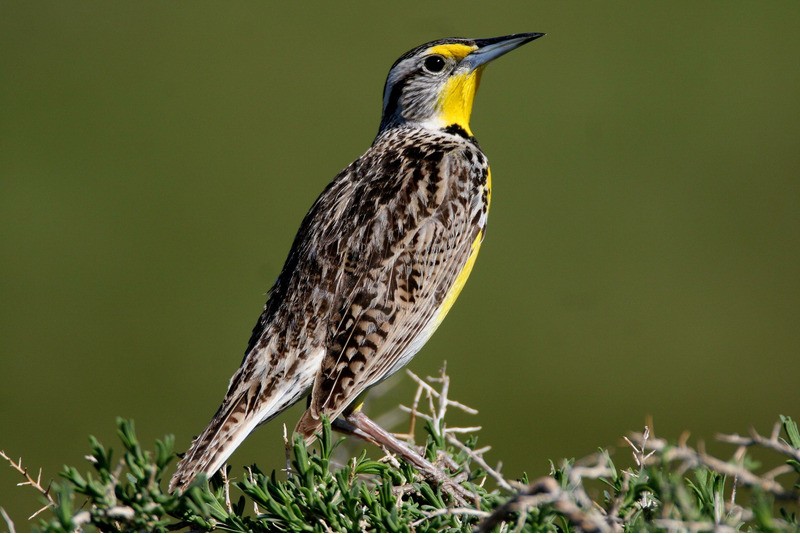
434, 63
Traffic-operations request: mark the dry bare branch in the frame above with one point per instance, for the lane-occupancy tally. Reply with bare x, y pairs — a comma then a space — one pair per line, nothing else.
428, 388
547, 490
30, 481
7, 519
698, 457
772, 443
450, 511
478, 459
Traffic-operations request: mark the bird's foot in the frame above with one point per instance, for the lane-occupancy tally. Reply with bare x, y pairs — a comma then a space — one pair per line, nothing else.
358, 424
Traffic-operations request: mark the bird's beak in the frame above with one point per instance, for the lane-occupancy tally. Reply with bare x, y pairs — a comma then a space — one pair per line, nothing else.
489, 49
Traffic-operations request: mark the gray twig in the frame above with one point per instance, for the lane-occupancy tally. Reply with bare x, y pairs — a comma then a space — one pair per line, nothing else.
7, 519
30, 481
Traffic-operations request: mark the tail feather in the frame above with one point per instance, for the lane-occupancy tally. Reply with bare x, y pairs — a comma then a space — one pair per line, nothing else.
229, 427
250, 401
238, 416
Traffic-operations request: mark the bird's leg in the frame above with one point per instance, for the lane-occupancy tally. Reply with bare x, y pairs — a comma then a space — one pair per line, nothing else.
358, 424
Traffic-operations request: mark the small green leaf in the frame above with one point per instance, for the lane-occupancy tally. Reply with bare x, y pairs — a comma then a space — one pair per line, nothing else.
792, 432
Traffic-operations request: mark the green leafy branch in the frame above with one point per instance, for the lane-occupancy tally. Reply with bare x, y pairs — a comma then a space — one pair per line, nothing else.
666, 487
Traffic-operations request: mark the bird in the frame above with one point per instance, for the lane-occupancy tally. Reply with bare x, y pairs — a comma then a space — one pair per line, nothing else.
377, 262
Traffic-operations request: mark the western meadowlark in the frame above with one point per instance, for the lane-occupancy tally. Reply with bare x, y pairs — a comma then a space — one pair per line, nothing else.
377, 263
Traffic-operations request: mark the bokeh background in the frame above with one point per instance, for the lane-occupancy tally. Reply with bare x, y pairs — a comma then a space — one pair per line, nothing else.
643, 253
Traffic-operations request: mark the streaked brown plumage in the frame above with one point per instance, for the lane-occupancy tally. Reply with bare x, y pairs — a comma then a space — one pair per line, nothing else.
377, 262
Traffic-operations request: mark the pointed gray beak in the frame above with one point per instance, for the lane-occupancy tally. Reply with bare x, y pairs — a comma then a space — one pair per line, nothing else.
489, 49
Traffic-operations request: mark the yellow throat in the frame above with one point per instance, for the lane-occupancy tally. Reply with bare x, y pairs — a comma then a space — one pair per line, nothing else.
455, 100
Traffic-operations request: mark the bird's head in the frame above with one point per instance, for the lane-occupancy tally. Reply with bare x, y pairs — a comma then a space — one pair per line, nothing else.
434, 85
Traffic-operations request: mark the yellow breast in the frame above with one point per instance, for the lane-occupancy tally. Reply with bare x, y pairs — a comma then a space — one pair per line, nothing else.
461, 279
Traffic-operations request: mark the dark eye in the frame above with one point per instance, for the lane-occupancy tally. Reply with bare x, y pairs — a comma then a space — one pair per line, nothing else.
434, 63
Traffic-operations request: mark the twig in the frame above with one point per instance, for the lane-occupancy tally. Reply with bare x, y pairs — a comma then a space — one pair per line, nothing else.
226, 488
463, 429
676, 525
597, 468
80, 519
547, 490
29, 481
7, 519
755, 438
252, 480
287, 450
450, 511
638, 453
697, 457
415, 414
502, 482
747, 478
388, 458
412, 423
784, 469
39, 511
434, 393
616, 504
124, 513
445, 381
324, 524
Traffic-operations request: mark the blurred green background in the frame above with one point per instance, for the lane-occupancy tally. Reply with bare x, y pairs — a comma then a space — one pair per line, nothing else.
643, 254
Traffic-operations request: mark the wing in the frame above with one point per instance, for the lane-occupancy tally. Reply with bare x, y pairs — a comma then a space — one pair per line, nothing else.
406, 280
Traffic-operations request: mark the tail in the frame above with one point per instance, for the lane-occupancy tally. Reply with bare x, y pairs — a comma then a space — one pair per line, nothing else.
250, 401
230, 426
241, 412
